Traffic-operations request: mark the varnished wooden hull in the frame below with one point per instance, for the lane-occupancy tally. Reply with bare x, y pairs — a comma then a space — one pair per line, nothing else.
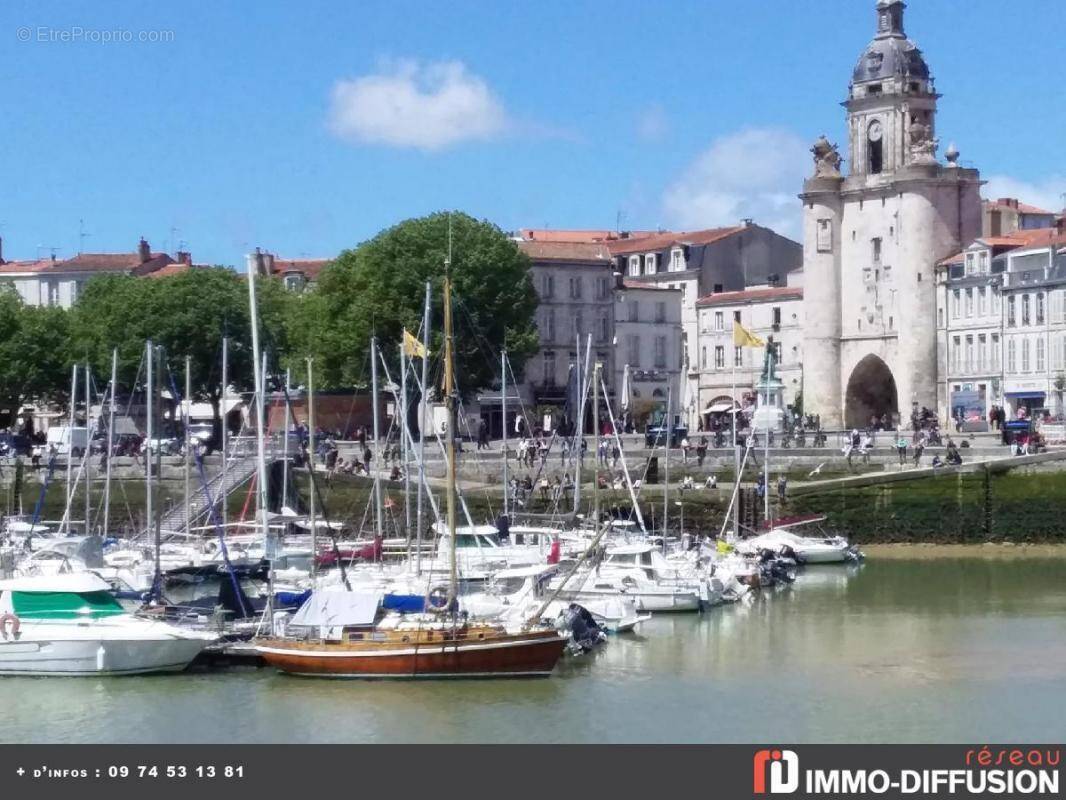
519, 655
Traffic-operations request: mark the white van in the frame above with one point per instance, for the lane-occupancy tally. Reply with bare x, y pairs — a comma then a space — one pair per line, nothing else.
61, 437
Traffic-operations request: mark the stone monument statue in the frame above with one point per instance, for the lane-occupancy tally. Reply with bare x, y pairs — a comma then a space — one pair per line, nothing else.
923, 145
826, 158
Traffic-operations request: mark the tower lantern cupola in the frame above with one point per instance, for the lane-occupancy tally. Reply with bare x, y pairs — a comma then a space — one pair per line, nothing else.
890, 17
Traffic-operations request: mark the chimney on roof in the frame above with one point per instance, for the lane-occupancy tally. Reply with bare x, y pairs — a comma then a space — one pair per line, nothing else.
1010, 202
144, 251
184, 257
1, 249
747, 221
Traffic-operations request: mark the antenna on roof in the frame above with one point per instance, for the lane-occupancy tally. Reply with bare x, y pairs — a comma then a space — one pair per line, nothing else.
619, 218
52, 250
81, 236
173, 238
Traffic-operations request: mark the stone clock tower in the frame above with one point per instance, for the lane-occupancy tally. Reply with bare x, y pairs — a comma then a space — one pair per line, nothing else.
873, 234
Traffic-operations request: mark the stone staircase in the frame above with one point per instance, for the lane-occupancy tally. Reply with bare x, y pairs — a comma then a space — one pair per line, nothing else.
240, 470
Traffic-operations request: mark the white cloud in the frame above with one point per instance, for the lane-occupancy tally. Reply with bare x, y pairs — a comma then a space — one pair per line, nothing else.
755, 172
652, 124
1046, 194
422, 106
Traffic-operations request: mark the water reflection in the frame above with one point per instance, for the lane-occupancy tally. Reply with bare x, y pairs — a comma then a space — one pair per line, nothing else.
960, 649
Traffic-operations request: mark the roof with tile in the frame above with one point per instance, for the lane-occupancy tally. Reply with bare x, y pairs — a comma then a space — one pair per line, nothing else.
767, 295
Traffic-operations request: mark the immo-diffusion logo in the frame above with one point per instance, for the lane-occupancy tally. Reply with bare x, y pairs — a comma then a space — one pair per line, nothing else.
783, 769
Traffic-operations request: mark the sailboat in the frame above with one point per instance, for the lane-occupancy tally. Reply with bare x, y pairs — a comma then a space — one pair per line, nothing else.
340, 633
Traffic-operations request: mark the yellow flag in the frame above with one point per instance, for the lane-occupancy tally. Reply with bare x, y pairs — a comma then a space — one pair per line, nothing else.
724, 548
412, 347
742, 337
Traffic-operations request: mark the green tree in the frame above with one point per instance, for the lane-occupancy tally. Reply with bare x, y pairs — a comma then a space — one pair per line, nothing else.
187, 314
34, 353
379, 287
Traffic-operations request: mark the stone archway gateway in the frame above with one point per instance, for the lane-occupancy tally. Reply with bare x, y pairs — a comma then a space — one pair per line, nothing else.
871, 393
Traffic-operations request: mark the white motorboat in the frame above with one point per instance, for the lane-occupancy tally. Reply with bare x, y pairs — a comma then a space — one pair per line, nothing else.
648, 594
807, 549
70, 624
516, 594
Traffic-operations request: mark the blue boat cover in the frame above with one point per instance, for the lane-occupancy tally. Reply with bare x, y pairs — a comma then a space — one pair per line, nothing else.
411, 603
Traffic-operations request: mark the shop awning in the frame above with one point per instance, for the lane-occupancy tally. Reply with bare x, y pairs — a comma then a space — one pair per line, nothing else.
1026, 395
718, 408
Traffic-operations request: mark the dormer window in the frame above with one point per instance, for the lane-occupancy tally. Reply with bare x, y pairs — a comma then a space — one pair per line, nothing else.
634, 265
677, 260
651, 263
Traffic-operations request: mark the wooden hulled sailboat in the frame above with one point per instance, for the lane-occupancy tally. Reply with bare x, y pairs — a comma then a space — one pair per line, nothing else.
344, 634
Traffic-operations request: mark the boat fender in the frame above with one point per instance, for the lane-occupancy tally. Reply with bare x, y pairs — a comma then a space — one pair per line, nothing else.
437, 599
16, 625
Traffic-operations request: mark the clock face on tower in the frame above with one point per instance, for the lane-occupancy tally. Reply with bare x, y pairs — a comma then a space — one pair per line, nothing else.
874, 131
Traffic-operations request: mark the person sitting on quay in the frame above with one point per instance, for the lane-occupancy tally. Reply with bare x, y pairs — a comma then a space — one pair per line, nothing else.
951, 453
711, 482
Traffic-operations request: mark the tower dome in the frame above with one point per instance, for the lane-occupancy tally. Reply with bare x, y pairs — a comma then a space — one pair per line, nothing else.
891, 54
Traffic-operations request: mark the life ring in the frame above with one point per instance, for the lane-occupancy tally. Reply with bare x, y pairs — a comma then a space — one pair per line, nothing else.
16, 625
437, 599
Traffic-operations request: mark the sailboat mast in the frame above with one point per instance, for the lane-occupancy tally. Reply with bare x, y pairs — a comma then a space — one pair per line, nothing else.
666, 468
422, 488
157, 390
311, 469
401, 412
188, 441
258, 368
88, 450
110, 440
596, 447
149, 497
503, 414
379, 512
285, 445
225, 433
70, 441
449, 399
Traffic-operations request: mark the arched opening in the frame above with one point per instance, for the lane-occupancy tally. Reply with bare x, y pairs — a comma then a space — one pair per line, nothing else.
871, 394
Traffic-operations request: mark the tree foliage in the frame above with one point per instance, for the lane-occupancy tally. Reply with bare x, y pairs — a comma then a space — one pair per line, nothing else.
379, 287
34, 352
188, 314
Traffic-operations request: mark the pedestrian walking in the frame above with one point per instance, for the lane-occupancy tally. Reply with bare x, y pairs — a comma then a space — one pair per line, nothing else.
901, 448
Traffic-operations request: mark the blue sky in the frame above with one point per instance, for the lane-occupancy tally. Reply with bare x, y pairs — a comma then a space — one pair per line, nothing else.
307, 127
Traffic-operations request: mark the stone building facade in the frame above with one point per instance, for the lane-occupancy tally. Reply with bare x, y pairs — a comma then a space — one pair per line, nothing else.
873, 235
699, 263
775, 315
647, 336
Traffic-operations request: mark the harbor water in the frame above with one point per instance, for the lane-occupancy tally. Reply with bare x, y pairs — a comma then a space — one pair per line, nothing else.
909, 648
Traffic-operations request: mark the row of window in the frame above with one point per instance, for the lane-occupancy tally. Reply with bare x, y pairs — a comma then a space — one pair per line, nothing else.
576, 287
738, 356
974, 301
977, 356
1023, 354
649, 263
719, 319
602, 330
660, 348
1022, 309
